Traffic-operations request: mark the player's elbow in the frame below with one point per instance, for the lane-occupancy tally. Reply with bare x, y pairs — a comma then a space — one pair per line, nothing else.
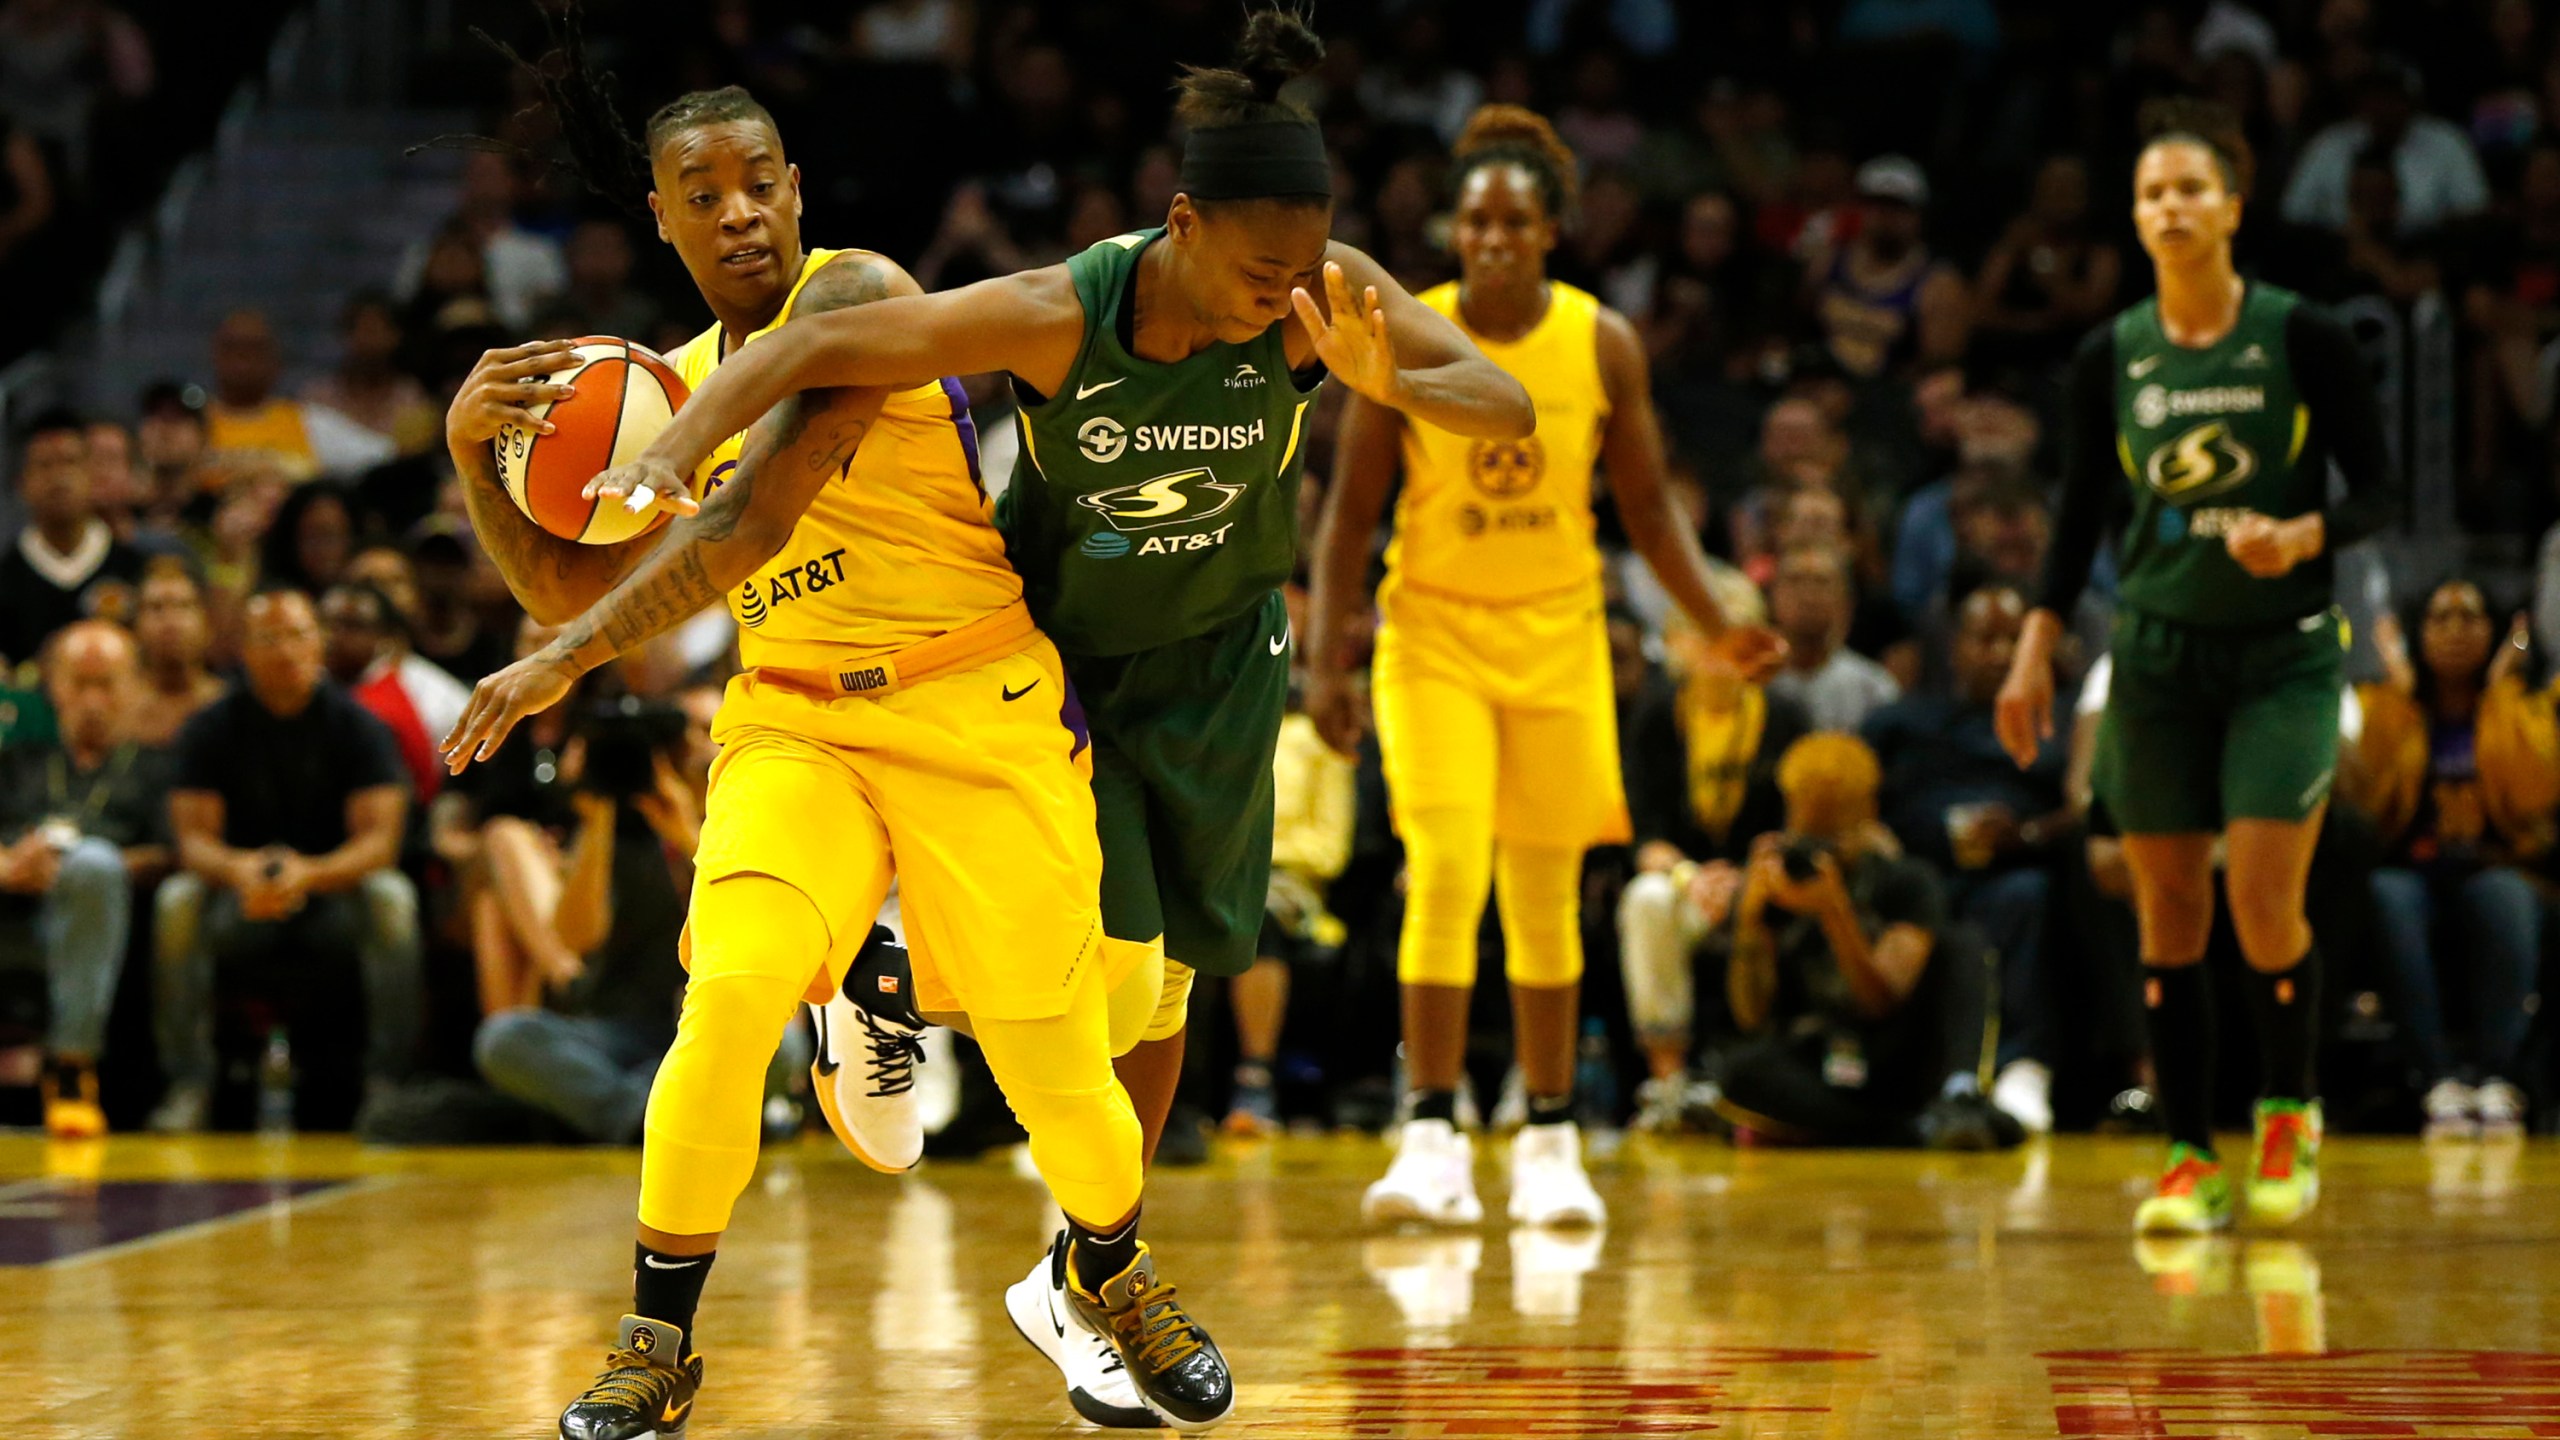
1512, 415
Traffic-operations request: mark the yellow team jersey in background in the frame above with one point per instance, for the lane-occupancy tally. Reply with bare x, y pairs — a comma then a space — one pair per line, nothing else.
899, 548
1498, 521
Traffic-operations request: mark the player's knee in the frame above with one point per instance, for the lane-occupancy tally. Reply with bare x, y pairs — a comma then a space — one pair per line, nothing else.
2272, 930
1085, 1141
732, 1018
1173, 1003
1133, 1002
1448, 871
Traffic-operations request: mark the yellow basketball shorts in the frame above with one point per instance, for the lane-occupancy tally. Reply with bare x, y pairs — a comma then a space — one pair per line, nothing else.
1507, 708
974, 789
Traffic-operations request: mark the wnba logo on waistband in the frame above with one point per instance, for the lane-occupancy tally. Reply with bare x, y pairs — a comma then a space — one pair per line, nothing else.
870, 677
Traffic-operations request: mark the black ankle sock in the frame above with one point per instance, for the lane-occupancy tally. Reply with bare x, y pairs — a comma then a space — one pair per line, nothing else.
2285, 1009
1436, 1105
882, 980
1550, 1109
2178, 1013
668, 1287
1098, 1257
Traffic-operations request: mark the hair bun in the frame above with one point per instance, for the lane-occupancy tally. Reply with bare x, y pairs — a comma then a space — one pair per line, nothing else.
1277, 47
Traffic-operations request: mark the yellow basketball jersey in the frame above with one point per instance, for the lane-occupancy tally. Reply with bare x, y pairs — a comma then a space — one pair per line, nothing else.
1509, 520
899, 548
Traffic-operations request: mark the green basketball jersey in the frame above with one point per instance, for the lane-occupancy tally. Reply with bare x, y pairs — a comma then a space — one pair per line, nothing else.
2207, 436
1153, 502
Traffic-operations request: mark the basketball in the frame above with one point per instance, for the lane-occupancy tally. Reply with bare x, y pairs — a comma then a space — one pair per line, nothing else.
626, 394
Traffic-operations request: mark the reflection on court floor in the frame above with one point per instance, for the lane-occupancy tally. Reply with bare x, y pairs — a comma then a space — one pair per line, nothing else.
1757, 1294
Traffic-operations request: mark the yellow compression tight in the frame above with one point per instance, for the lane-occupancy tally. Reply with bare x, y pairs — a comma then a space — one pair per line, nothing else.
1451, 860
756, 942
1140, 993
1056, 1073
1172, 1007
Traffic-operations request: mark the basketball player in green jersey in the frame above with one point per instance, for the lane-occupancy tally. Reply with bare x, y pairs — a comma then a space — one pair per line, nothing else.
2203, 423
1165, 379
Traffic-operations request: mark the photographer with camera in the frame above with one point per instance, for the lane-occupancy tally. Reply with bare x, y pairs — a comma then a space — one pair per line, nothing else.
585, 1045
287, 811
1862, 1015
80, 831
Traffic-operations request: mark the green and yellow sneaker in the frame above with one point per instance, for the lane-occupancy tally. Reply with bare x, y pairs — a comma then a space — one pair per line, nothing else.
2284, 1169
2194, 1198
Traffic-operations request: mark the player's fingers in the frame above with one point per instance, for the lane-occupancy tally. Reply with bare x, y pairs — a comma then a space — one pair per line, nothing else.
499, 417
616, 483
674, 502
527, 366
1337, 287
536, 347
531, 391
1308, 314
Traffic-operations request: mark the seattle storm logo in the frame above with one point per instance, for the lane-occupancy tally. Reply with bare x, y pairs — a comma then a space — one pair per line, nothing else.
2206, 460
1178, 498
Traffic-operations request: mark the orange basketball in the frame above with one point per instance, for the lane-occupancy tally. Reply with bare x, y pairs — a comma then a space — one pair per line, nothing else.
626, 394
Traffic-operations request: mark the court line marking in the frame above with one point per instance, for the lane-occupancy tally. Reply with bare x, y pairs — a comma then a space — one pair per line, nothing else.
273, 1209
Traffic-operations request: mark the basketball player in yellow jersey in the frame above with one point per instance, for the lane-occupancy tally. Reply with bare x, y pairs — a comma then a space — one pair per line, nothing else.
1492, 686
897, 701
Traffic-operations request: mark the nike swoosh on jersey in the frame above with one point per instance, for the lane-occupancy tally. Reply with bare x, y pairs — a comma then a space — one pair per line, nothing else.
1084, 390
2142, 367
1011, 694
1279, 642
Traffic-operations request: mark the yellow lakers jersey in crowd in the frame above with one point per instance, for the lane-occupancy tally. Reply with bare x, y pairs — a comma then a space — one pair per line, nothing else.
899, 548
1497, 521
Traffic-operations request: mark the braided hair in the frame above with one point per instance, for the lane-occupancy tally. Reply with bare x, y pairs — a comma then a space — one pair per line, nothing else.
602, 154
1515, 135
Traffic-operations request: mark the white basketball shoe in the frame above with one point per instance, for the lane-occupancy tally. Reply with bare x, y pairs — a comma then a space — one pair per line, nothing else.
1433, 1178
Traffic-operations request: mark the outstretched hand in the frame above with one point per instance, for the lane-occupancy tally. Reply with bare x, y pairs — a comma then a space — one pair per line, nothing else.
528, 687
1352, 342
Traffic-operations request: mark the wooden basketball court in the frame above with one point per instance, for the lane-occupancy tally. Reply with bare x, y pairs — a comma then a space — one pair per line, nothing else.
309, 1287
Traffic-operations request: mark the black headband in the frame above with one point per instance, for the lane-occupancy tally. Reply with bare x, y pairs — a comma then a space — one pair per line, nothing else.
1256, 162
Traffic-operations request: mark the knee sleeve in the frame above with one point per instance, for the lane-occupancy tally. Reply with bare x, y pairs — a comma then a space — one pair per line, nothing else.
1173, 1001
1448, 856
756, 940
1056, 1074
1133, 1001
1540, 890
1654, 957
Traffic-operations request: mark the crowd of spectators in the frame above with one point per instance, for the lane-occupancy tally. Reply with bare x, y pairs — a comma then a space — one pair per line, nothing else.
1860, 239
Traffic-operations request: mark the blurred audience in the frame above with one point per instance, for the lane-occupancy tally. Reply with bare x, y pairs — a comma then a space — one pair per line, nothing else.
82, 830
248, 417
1954, 798
286, 808
67, 563
1860, 1015
2459, 766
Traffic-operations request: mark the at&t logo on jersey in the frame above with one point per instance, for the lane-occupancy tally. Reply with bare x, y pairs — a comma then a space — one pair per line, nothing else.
761, 595
1104, 439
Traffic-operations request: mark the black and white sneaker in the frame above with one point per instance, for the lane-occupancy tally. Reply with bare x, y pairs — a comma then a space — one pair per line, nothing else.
870, 1040
1098, 1384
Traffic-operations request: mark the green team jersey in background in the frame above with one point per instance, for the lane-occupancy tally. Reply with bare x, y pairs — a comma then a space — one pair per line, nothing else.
1153, 502
2176, 444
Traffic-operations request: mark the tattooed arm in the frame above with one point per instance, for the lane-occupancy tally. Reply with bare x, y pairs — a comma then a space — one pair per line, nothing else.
553, 579
788, 457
